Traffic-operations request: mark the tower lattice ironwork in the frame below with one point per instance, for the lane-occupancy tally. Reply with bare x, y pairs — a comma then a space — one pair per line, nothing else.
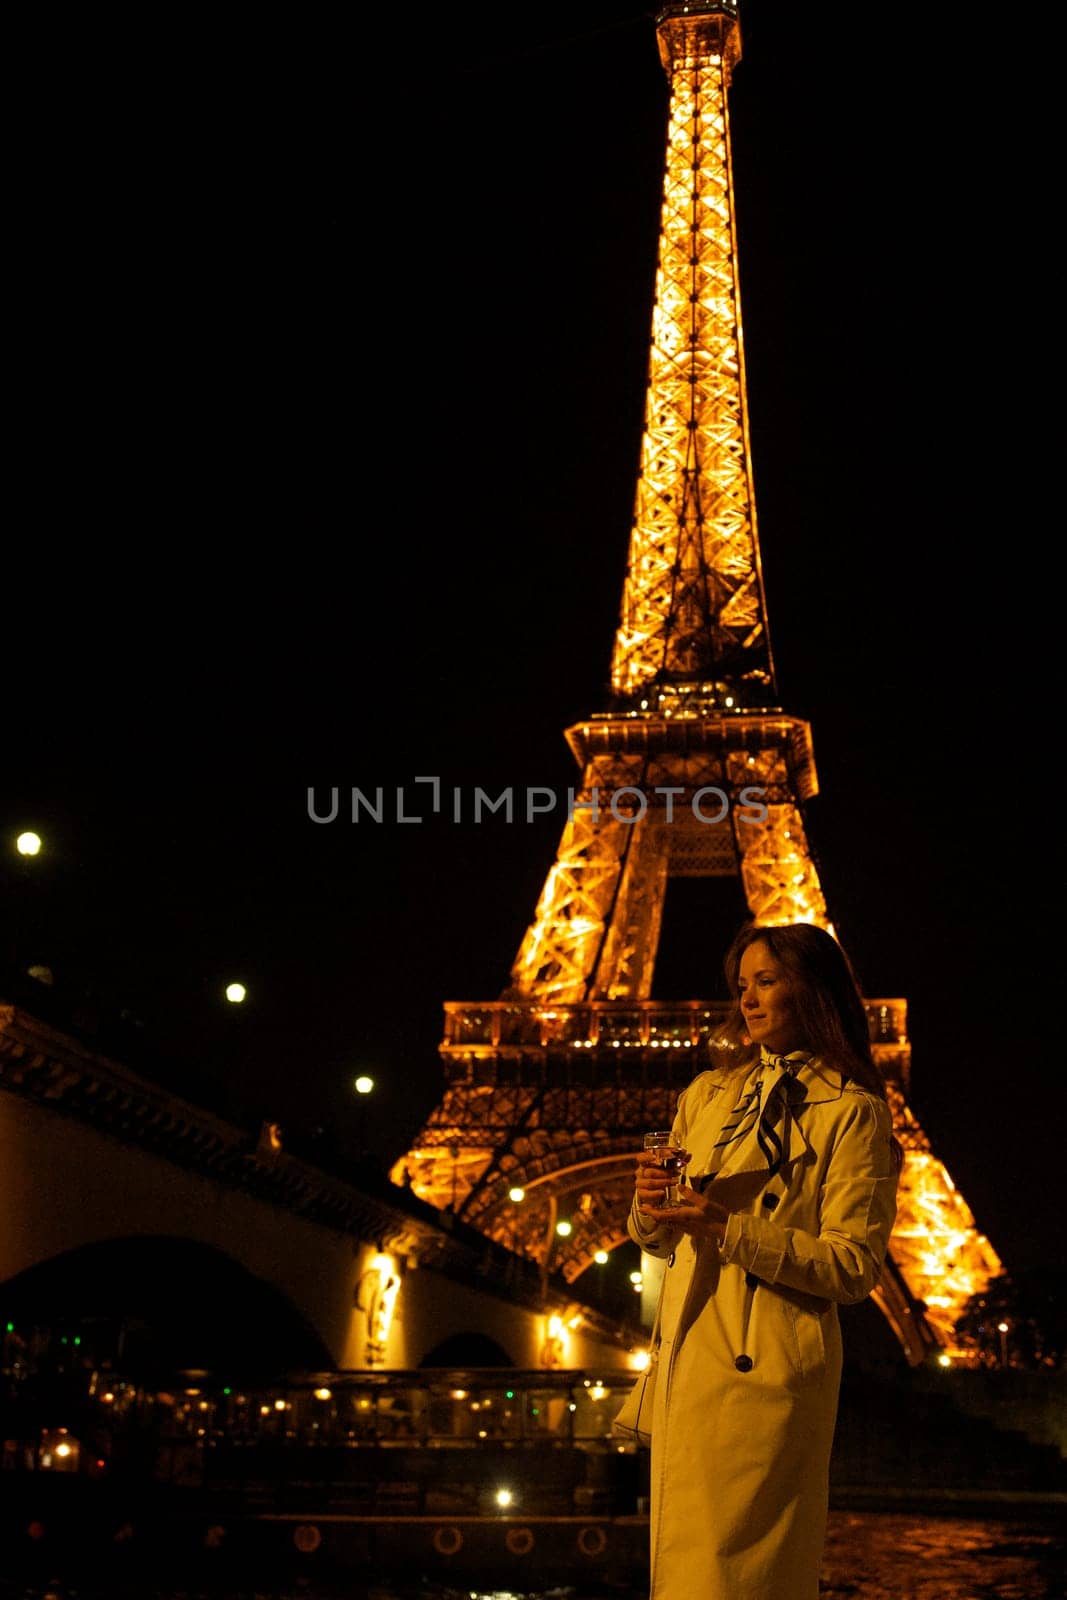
695, 771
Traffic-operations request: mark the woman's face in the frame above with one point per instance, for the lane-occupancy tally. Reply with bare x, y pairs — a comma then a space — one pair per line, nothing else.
767, 1001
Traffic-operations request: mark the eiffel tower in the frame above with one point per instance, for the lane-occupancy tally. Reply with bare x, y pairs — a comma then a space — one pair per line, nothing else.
693, 772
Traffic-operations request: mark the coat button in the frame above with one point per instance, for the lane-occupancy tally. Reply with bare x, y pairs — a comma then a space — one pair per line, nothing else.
751, 1281
770, 1201
743, 1363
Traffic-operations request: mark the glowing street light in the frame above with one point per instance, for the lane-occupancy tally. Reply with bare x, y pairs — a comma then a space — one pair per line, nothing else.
516, 1195
601, 1258
236, 993
23, 936
1002, 1329
364, 1087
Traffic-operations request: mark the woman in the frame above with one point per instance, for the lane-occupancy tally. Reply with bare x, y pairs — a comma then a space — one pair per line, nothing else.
785, 1213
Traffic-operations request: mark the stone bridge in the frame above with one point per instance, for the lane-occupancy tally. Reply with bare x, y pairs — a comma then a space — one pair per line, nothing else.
220, 1249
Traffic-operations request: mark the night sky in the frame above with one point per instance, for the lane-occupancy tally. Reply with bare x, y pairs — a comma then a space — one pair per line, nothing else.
325, 363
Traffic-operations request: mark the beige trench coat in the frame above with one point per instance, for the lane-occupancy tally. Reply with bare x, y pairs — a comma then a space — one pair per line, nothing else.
750, 1362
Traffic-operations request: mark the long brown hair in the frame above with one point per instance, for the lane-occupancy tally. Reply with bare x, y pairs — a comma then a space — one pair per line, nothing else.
826, 995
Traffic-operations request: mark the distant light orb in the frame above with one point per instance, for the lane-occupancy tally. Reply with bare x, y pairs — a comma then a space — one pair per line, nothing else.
236, 993
363, 1084
601, 1258
944, 1361
563, 1228
504, 1497
516, 1195
1002, 1327
28, 844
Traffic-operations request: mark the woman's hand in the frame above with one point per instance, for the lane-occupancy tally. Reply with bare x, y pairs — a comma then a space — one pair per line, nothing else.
694, 1213
653, 1179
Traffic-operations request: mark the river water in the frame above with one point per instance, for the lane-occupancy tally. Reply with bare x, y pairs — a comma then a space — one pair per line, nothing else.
869, 1556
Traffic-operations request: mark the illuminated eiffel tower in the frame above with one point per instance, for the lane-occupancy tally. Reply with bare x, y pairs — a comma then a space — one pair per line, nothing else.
694, 772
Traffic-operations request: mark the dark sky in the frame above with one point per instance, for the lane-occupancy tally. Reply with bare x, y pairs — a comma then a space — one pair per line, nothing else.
326, 363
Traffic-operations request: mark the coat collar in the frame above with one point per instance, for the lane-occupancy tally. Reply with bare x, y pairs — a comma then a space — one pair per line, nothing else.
820, 1083
763, 1131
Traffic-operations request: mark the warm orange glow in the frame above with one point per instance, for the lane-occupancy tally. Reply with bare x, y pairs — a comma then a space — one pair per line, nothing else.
555, 1347
695, 509
694, 773
941, 1255
376, 1294
58, 1452
781, 884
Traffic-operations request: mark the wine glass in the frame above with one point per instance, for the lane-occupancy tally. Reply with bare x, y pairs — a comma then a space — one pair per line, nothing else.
670, 1158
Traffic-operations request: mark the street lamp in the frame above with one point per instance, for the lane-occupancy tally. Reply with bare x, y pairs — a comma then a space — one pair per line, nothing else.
28, 845
1002, 1329
364, 1087
516, 1194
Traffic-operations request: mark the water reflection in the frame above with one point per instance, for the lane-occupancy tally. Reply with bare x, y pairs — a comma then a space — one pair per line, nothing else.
869, 1556
882, 1556
879, 1556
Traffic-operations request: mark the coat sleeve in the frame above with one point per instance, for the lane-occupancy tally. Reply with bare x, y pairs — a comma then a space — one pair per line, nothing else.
857, 1204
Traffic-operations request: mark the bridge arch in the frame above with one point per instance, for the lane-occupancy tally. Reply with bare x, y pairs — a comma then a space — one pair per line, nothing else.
159, 1305
467, 1350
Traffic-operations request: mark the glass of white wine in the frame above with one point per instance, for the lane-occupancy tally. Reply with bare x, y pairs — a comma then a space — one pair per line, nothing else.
670, 1158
